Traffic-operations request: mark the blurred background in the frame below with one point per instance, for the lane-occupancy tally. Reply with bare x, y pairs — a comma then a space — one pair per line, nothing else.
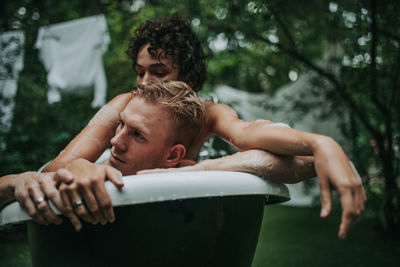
331, 67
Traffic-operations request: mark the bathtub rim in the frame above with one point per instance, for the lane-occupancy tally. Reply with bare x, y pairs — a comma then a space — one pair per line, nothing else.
171, 186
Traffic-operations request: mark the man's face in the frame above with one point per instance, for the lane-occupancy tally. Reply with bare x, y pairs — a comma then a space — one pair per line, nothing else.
150, 69
140, 141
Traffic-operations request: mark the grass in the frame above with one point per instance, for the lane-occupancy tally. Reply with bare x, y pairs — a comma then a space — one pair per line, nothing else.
14, 250
298, 237
289, 237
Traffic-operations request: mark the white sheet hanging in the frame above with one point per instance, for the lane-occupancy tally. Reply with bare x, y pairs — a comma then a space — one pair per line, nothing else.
72, 54
11, 63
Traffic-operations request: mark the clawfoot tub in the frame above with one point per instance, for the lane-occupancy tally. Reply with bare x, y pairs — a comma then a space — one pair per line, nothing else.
208, 218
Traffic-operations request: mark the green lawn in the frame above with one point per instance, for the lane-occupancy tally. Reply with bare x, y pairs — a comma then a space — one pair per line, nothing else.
289, 237
14, 249
298, 237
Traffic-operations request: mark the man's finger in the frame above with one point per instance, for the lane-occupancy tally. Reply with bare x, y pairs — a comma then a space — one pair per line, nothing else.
359, 199
63, 176
54, 195
104, 201
68, 209
48, 187
43, 207
114, 176
29, 206
326, 197
79, 207
360, 196
349, 214
92, 205
35, 198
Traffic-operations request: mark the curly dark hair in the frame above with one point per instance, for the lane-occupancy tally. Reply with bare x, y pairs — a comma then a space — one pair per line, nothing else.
176, 38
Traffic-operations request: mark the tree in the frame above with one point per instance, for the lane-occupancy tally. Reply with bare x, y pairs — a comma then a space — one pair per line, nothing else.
368, 86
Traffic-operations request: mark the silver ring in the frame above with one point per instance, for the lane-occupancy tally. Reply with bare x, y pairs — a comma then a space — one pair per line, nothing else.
78, 203
39, 200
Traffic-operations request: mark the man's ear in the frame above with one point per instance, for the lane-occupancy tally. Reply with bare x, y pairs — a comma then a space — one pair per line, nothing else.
174, 155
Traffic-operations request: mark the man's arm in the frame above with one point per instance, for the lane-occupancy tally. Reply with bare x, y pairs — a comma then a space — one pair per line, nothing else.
331, 164
91, 142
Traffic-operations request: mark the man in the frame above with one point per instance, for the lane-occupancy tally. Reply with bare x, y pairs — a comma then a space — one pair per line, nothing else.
156, 128
169, 50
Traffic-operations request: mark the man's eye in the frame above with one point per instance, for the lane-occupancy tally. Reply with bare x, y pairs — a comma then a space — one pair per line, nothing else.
137, 135
140, 74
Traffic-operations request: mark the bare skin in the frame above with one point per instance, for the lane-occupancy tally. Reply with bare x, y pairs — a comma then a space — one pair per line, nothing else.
331, 164
88, 187
280, 169
28, 187
138, 144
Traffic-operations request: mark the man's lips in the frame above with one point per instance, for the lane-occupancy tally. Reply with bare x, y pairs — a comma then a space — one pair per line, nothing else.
116, 159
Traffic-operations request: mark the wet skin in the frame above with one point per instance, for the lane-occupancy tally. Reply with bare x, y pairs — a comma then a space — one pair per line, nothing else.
331, 164
140, 141
150, 69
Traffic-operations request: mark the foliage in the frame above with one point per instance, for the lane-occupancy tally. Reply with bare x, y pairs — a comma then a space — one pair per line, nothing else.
252, 45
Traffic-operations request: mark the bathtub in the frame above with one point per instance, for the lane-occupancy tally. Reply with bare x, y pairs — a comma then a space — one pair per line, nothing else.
208, 218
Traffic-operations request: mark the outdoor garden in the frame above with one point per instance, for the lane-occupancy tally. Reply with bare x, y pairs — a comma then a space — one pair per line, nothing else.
257, 47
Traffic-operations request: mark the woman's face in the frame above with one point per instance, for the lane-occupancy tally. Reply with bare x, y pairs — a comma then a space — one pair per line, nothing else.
151, 69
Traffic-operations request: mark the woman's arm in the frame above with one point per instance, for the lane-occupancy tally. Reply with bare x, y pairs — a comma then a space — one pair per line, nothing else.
91, 142
331, 164
280, 169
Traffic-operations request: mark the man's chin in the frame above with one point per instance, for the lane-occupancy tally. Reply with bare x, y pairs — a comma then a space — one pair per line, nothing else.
121, 168
117, 165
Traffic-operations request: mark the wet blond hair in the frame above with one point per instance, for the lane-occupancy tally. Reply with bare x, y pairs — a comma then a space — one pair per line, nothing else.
186, 109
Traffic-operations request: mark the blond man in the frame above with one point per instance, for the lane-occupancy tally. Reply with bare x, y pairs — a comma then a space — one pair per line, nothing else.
155, 130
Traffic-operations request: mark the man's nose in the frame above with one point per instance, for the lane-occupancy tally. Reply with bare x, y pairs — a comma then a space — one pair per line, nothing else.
118, 141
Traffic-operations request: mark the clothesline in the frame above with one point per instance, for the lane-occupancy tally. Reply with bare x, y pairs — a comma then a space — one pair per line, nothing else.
71, 53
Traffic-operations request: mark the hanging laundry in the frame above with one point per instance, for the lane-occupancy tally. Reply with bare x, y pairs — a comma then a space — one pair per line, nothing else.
11, 63
71, 52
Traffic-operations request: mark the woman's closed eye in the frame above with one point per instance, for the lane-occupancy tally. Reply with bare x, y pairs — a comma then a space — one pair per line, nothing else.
160, 74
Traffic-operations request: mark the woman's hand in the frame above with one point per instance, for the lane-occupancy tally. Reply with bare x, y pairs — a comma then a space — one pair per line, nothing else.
335, 170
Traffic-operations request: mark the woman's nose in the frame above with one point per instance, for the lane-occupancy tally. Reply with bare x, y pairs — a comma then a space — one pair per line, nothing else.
148, 78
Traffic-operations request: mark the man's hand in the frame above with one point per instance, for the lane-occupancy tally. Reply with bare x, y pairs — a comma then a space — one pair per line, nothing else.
32, 190
86, 196
334, 169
